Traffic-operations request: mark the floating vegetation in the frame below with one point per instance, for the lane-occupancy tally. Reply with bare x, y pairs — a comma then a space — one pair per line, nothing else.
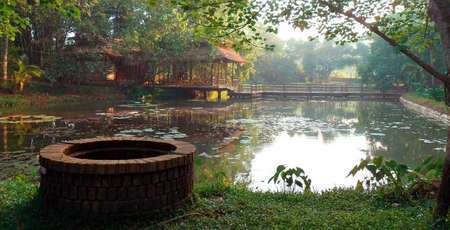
179, 136
16, 119
137, 104
426, 141
242, 121
245, 141
439, 149
123, 135
123, 115
377, 134
131, 131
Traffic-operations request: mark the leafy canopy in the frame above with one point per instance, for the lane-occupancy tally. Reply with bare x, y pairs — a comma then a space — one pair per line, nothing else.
12, 21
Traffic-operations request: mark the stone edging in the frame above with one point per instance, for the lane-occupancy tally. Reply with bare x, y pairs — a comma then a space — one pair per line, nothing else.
425, 111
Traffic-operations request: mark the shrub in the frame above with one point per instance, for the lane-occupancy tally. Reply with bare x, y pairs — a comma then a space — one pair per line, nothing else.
292, 179
397, 181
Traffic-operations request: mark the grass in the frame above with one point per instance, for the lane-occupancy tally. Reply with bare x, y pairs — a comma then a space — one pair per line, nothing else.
430, 103
42, 96
218, 206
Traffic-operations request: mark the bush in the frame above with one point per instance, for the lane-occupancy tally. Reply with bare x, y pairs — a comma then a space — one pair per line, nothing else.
436, 93
393, 180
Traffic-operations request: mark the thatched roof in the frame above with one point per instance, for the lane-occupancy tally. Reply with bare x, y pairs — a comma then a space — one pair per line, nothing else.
204, 53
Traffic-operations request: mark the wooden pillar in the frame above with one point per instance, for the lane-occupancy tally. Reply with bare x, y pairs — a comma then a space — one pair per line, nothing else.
212, 74
190, 72
226, 73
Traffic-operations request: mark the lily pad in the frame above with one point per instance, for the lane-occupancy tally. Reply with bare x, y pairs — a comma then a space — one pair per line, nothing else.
131, 131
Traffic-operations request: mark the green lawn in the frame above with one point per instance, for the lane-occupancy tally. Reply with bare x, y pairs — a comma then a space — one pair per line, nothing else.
216, 206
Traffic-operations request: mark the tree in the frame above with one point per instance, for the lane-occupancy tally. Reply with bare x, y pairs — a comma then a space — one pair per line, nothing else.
10, 25
13, 21
338, 20
382, 66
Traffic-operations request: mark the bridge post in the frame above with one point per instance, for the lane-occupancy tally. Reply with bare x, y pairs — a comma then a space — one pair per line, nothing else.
219, 96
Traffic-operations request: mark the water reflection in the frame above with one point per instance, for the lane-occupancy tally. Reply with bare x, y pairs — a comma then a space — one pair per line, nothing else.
325, 162
245, 140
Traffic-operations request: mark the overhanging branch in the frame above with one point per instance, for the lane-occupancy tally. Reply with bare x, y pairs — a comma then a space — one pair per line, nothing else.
427, 67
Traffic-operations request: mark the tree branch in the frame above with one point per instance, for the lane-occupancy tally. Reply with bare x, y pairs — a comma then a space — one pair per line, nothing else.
427, 67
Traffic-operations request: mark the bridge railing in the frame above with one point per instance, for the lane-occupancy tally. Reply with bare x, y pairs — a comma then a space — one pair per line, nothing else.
311, 88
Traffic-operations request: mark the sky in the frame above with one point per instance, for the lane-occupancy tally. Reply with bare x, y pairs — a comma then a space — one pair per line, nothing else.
286, 32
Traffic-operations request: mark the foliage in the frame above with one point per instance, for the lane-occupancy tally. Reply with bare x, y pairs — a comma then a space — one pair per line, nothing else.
16, 195
320, 59
10, 101
381, 67
12, 21
435, 93
384, 68
394, 180
23, 74
222, 21
292, 178
295, 61
224, 206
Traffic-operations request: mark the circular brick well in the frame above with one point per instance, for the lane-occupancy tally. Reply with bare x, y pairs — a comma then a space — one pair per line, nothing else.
116, 176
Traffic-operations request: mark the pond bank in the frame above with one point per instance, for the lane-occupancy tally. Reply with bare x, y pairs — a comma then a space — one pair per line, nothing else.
10, 103
427, 107
220, 206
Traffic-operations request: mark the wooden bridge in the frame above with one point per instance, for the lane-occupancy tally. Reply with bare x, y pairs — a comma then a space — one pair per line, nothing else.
308, 91
314, 91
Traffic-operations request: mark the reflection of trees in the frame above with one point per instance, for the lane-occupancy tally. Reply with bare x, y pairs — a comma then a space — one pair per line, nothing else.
328, 111
233, 160
15, 136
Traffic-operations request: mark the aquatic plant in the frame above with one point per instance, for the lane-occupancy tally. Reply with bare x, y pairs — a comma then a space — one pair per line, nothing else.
292, 179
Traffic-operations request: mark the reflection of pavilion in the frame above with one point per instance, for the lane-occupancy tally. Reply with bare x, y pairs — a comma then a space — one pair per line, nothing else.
200, 116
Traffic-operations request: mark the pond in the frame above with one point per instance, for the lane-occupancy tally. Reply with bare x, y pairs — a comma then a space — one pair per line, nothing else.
245, 141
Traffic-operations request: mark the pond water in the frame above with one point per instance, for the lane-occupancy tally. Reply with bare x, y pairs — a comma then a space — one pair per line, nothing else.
245, 141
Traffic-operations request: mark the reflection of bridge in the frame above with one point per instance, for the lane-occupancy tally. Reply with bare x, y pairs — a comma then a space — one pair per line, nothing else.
293, 90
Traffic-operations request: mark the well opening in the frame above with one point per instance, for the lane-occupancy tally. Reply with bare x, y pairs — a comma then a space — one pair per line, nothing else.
119, 150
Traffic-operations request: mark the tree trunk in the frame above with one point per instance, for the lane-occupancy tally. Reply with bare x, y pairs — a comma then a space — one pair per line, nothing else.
5, 59
443, 198
440, 13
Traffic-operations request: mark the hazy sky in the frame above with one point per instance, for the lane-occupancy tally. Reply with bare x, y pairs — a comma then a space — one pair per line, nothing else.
286, 32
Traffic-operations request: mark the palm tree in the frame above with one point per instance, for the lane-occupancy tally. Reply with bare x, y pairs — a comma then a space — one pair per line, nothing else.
25, 72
